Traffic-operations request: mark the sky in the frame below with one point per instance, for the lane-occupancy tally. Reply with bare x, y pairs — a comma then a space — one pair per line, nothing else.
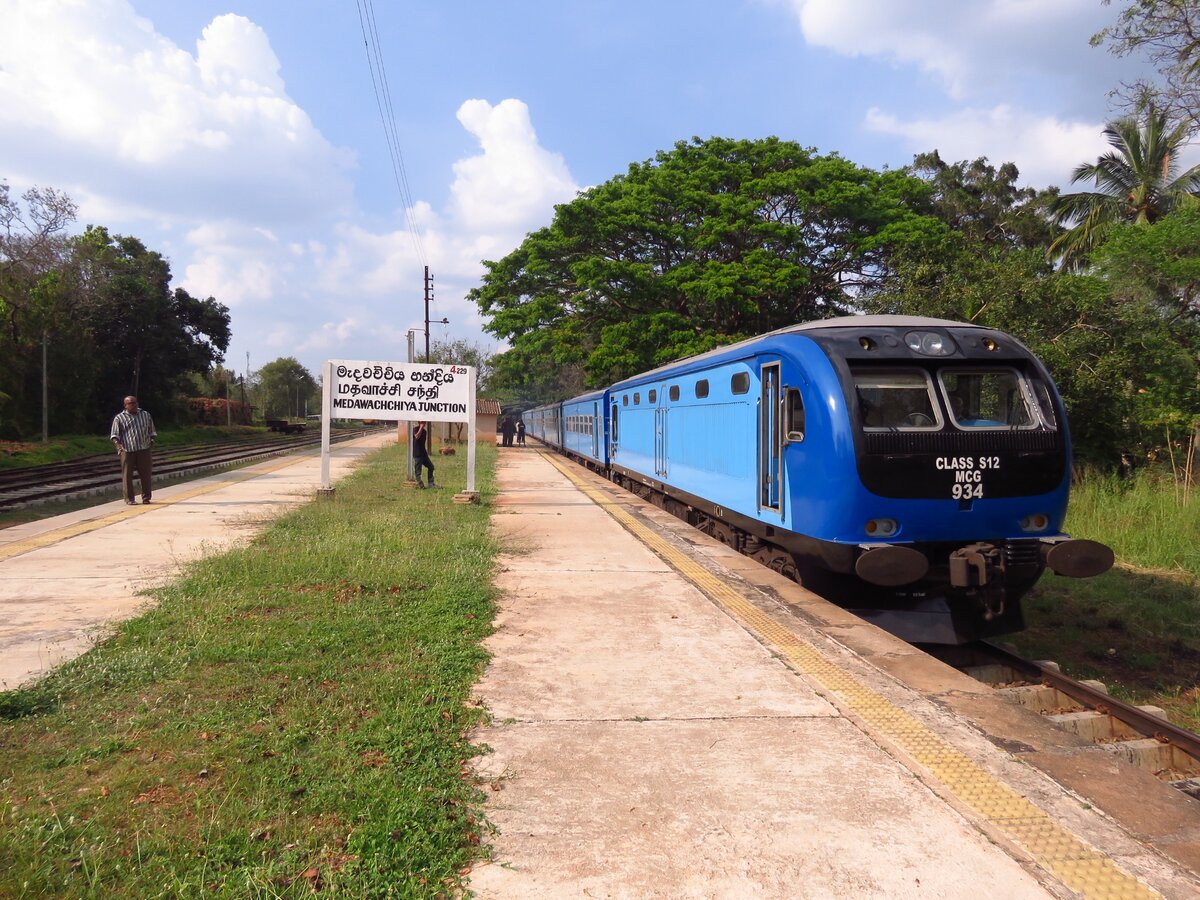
244, 139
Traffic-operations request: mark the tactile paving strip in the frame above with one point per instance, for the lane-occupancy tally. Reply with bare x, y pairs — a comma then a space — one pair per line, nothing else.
1055, 849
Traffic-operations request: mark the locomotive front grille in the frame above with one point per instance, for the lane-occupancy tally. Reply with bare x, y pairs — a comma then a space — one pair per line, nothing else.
962, 465
1023, 553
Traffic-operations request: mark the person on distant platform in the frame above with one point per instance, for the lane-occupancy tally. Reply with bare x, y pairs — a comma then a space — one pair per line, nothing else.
508, 429
421, 453
520, 432
133, 435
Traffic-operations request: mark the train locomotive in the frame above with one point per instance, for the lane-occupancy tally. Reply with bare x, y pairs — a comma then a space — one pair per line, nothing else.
913, 470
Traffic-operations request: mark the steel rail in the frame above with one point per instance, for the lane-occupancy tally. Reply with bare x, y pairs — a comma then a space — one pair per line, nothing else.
1140, 720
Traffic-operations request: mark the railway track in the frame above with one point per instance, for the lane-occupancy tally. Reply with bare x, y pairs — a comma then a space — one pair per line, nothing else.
96, 474
1140, 734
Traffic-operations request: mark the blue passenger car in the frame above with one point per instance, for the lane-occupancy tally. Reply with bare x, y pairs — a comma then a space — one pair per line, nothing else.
583, 431
544, 423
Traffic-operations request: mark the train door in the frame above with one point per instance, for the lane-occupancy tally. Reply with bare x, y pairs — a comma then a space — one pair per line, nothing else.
660, 434
770, 438
613, 434
594, 427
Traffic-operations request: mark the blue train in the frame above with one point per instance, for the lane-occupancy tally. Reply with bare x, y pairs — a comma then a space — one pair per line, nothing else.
913, 470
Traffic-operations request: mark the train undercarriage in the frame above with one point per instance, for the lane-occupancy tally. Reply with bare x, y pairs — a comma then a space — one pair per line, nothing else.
937, 593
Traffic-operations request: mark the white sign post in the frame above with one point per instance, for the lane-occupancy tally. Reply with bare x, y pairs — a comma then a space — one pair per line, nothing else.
393, 391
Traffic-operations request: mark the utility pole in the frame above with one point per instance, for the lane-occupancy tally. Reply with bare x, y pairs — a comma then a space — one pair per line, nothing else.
46, 389
428, 297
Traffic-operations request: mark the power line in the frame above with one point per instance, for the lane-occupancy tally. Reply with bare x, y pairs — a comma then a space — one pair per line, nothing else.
387, 116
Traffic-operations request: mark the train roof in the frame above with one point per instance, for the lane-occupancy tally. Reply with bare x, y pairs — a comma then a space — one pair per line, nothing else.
816, 325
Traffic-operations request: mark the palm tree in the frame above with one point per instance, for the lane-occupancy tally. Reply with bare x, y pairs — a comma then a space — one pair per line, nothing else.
1136, 183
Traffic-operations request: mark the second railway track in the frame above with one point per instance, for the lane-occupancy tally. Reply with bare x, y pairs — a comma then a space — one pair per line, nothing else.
95, 474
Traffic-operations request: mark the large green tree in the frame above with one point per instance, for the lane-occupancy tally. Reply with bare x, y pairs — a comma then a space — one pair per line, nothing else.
1137, 181
707, 243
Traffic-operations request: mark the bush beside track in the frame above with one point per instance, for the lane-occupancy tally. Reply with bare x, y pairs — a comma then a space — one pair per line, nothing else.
290, 717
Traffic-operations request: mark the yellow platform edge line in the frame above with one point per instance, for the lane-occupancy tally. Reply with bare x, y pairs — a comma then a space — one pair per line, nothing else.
58, 535
1053, 848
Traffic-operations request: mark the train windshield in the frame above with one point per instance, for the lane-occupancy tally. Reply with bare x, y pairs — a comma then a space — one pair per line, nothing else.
896, 400
988, 398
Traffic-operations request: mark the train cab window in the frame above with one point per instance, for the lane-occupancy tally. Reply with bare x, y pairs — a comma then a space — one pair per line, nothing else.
701, 388
740, 383
624, 399
896, 400
793, 416
991, 398
1041, 390
637, 398
674, 392
653, 397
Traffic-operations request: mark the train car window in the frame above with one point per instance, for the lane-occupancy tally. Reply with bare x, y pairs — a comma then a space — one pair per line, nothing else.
624, 399
652, 398
701, 388
896, 400
793, 416
988, 398
637, 398
740, 383
674, 392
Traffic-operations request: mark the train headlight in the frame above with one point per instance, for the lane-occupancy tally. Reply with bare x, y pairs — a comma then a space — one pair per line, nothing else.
878, 528
1036, 522
929, 343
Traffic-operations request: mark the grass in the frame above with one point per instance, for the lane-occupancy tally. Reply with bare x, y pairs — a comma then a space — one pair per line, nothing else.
290, 717
1136, 628
17, 454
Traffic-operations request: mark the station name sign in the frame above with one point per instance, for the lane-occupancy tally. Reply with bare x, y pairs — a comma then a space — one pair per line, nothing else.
400, 391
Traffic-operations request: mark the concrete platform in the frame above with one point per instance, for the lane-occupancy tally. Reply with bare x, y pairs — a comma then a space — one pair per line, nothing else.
63, 580
671, 719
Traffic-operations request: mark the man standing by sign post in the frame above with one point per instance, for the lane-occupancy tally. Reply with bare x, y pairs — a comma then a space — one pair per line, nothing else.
394, 391
420, 452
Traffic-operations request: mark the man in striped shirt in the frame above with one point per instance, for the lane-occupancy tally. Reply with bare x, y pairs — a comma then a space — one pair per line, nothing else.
133, 435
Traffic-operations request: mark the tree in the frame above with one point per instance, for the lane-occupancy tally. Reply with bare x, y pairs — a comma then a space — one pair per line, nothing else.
708, 243
1138, 182
466, 353
285, 388
983, 205
1168, 33
148, 337
36, 303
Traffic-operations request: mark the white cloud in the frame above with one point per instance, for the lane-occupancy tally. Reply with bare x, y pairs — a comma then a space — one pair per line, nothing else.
201, 153
235, 263
1044, 148
514, 183
93, 100
983, 45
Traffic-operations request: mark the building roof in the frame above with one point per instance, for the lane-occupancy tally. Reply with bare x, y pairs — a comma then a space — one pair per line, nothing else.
487, 407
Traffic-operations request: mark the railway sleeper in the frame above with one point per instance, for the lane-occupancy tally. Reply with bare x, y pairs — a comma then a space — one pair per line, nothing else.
1099, 727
